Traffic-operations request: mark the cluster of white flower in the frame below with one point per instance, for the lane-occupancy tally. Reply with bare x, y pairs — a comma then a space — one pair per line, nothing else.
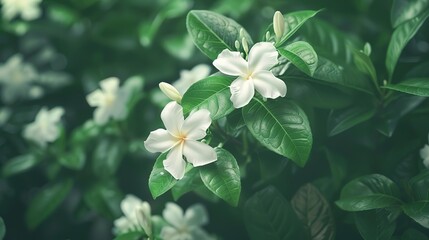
28, 9
180, 225
46, 127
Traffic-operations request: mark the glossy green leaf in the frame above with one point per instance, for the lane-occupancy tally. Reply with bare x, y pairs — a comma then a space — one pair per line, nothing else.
313, 209
19, 164
364, 64
418, 211
419, 186
212, 32
344, 119
413, 234
416, 86
107, 156
189, 182
369, 192
2, 229
75, 159
404, 10
268, 215
400, 37
160, 181
212, 93
223, 177
105, 199
375, 224
281, 126
293, 22
302, 55
46, 201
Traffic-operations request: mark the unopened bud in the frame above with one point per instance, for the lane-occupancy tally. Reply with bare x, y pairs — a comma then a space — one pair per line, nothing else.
237, 44
278, 25
245, 45
267, 36
170, 91
241, 32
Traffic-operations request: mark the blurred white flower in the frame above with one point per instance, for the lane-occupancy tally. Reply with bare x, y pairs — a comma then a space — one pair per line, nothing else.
185, 226
111, 101
137, 216
252, 74
180, 138
189, 77
28, 9
424, 154
17, 79
46, 126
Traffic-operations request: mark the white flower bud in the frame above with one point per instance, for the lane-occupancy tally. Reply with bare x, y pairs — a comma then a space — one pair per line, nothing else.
267, 36
245, 45
237, 44
170, 91
278, 25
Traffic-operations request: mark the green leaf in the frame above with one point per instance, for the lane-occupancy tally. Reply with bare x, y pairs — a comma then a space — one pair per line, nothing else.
344, 119
223, 177
415, 86
404, 10
212, 32
419, 186
337, 165
268, 215
281, 126
189, 182
105, 199
400, 37
364, 64
212, 93
413, 234
313, 209
19, 164
107, 156
369, 192
130, 236
2, 229
175, 8
293, 22
74, 160
418, 211
160, 181
302, 55
46, 201
375, 224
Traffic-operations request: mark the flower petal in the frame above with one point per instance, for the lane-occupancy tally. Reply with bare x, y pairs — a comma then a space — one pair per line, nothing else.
55, 114
268, 85
198, 153
122, 225
171, 233
129, 207
196, 215
262, 56
172, 117
231, 63
174, 163
424, 154
95, 98
159, 140
101, 115
200, 234
110, 85
173, 214
242, 91
196, 124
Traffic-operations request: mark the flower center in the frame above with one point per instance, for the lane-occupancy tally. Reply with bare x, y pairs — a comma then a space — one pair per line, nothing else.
248, 76
110, 99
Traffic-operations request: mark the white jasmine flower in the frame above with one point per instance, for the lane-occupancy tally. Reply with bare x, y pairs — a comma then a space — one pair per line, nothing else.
137, 216
46, 126
189, 77
17, 78
180, 138
111, 101
28, 9
252, 74
424, 154
184, 226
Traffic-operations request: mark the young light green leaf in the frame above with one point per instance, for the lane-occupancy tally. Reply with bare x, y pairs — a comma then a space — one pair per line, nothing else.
212, 32
212, 93
281, 126
294, 21
75, 159
404, 10
19, 164
46, 201
418, 211
415, 86
344, 119
2, 229
364, 64
223, 177
302, 55
369, 192
375, 224
419, 186
400, 37
160, 181
268, 215
313, 209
